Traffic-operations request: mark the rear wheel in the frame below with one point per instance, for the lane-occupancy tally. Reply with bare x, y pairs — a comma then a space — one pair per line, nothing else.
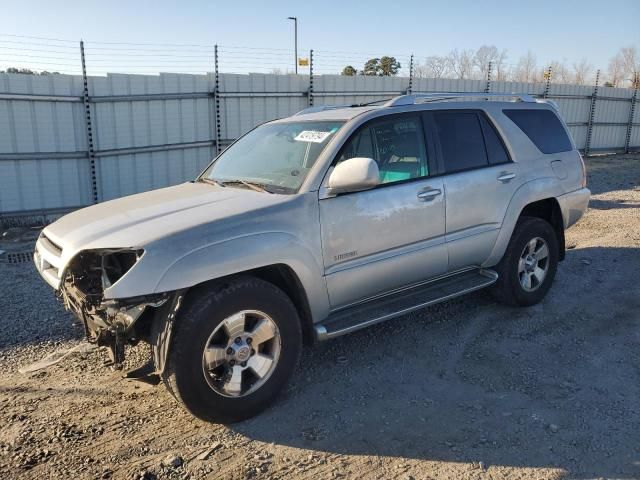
529, 265
233, 350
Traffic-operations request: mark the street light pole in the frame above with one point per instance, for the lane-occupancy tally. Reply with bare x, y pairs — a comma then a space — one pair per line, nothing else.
295, 40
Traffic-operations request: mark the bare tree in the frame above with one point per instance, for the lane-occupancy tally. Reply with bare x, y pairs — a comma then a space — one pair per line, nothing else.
486, 54
469, 64
526, 69
560, 73
434, 67
461, 63
616, 70
631, 62
501, 67
581, 71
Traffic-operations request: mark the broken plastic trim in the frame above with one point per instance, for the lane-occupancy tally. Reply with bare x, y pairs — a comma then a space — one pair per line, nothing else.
57, 357
160, 341
109, 323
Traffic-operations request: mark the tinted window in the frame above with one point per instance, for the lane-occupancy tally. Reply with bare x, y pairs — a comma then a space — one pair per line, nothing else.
543, 128
495, 148
396, 145
461, 140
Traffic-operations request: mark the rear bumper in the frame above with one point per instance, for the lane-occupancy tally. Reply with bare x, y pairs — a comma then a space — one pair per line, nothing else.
573, 205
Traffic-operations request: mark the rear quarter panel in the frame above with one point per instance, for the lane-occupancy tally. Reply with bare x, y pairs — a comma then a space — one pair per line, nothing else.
541, 175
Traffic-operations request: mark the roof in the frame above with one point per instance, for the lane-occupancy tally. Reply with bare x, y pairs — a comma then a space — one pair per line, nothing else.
341, 113
422, 101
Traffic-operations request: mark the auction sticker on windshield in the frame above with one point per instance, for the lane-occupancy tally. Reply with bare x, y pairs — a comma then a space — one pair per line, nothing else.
312, 136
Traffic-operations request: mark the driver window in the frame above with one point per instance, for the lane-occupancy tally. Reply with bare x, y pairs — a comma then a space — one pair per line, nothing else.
396, 145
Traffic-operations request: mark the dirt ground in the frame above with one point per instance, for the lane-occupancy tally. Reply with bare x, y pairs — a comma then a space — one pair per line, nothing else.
468, 389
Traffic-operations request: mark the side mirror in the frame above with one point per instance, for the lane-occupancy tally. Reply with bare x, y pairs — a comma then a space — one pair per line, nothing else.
354, 175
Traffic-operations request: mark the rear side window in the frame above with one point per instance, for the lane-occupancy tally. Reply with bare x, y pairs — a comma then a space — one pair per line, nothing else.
461, 140
543, 128
495, 148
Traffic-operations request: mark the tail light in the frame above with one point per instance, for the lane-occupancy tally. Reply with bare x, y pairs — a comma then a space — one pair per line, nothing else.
584, 172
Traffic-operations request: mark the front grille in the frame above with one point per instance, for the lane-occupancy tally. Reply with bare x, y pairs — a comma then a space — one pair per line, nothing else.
48, 260
52, 246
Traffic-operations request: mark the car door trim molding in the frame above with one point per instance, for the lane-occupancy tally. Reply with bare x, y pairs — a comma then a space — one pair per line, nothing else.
384, 255
470, 232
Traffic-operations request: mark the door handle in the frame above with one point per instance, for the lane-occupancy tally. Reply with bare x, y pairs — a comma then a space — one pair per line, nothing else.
429, 194
506, 177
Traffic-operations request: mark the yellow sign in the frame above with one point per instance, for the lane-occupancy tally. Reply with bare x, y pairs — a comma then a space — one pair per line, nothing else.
303, 62
547, 75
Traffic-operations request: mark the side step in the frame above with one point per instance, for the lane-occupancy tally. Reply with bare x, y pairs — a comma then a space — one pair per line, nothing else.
393, 305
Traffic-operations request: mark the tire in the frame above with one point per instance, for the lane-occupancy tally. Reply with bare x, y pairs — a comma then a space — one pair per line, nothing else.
205, 320
509, 289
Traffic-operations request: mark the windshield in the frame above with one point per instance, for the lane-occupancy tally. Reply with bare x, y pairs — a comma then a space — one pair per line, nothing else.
277, 156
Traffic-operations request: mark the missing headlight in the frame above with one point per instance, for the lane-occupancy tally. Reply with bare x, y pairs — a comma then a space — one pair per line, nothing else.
93, 271
115, 264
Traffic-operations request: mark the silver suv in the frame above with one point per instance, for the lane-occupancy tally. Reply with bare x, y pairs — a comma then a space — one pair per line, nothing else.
314, 226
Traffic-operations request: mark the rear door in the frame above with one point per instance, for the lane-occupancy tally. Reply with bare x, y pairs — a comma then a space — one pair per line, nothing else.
479, 181
392, 235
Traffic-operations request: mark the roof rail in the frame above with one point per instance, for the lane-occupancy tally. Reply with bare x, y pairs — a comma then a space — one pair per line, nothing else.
435, 97
553, 104
320, 108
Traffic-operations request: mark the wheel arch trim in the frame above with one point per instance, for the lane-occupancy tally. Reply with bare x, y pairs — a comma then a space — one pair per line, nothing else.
250, 254
546, 188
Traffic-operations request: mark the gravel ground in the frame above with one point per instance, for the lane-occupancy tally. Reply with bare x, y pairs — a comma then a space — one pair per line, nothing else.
466, 389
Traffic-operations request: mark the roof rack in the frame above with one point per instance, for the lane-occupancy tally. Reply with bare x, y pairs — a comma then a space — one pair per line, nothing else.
320, 108
417, 98
435, 97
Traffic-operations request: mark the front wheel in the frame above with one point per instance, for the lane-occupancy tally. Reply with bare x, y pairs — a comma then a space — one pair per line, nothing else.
233, 350
529, 264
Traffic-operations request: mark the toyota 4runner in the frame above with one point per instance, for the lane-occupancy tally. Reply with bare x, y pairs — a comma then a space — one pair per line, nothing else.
314, 226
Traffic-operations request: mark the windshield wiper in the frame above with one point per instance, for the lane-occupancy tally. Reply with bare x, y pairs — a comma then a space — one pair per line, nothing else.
255, 186
211, 181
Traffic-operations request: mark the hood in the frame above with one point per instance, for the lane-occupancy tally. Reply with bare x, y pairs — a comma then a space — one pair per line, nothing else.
141, 219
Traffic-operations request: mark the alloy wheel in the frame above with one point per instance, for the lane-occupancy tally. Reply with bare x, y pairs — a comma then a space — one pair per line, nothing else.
241, 353
533, 264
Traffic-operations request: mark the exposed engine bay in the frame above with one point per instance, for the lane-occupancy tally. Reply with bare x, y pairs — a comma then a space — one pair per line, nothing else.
108, 322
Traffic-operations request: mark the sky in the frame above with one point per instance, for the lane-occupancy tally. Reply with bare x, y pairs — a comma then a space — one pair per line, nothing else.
553, 30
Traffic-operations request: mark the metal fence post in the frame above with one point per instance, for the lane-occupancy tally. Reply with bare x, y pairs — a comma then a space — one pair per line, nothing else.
410, 89
88, 127
216, 99
548, 84
632, 111
592, 114
310, 93
487, 89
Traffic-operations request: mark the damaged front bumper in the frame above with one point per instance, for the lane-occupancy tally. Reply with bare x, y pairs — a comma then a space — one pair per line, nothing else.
112, 323
81, 285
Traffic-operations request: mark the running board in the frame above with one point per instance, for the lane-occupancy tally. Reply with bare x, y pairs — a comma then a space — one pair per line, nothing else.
390, 306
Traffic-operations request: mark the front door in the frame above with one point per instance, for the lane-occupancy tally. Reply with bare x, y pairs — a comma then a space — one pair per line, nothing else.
390, 236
